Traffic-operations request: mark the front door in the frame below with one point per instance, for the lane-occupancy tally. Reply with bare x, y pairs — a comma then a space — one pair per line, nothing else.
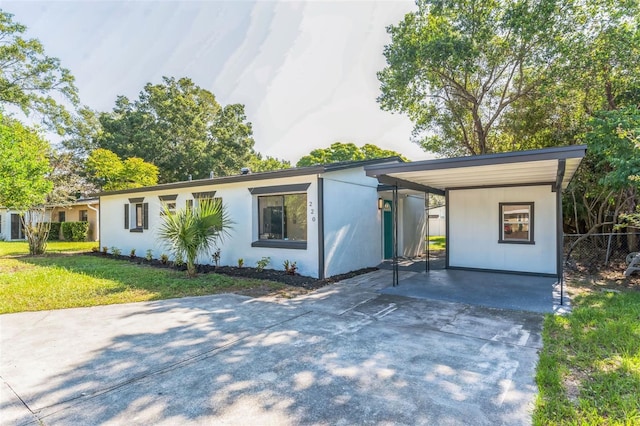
16, 227
387, 220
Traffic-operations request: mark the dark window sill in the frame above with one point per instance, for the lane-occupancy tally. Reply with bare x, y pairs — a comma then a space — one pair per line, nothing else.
516, 242
139, 230
294, 245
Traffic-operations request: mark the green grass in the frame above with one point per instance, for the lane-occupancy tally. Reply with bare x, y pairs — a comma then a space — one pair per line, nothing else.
17, 248
437, 243
589, 368
68, 281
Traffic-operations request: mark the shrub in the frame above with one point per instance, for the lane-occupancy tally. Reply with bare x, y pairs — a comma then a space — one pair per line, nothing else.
290, 267
115, 251
164, 259
75, 231
216, 257
95, 249
149, 255
179, 261
105, 250
240, 263
132, 253
262, 263
54, 231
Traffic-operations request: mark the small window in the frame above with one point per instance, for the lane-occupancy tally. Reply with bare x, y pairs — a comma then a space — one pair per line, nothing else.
516, 223
168, 203
139, 216
62, 216
84, 216
283, 217
189, 205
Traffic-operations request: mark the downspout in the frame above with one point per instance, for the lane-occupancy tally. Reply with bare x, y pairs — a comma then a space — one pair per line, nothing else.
321, 265
97, 236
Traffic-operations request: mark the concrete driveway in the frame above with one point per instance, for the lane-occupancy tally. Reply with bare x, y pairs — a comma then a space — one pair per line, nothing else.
345, 354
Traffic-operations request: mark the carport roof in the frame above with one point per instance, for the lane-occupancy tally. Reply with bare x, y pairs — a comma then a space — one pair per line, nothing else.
551, 166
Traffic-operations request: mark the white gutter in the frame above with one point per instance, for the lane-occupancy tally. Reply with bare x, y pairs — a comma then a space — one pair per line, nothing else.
97, 227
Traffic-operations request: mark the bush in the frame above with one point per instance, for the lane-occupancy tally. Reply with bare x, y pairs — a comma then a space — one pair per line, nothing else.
75, 231
54, 231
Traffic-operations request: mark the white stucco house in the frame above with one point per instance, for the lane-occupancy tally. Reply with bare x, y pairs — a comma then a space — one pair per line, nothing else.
329, 219
503, 212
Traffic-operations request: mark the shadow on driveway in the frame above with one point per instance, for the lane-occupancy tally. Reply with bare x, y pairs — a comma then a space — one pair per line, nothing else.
342, 355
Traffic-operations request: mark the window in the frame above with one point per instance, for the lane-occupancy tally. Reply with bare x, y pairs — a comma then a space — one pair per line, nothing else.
62, 216
283, 217
168, 202
84, 216
136, 215
516, 223
189, 205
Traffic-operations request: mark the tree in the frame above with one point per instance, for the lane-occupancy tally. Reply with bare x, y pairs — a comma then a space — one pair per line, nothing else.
339, 151
24, 165
180, 128
30, 80
110, 173
259, 164
480, 77
194, 232
456, 66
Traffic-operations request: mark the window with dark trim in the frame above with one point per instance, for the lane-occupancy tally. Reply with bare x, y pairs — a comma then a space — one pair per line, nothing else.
282, 221
62, 216
83, 216
516, 223
168, 202
136, 215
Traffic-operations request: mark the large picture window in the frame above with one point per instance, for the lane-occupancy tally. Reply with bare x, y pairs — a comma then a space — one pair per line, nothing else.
516, 223
283, 217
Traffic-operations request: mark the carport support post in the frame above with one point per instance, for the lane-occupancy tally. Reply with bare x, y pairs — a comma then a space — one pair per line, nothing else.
427, 202
559, 240
395, 235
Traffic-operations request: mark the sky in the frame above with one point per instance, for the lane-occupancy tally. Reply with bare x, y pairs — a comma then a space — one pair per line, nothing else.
305, 71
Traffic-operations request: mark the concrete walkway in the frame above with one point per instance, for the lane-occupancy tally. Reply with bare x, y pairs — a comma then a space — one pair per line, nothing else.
345, 354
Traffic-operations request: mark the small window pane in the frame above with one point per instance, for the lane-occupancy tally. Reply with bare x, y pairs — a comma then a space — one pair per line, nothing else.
139, 216
84, 216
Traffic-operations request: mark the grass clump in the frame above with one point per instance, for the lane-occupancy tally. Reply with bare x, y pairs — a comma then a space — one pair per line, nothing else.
589, 368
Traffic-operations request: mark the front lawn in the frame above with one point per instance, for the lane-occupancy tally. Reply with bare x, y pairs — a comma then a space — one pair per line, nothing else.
589, 368
437, 243
16, 248
67, 281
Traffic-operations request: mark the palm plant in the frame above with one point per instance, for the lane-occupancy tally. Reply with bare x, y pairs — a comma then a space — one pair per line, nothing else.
189, 233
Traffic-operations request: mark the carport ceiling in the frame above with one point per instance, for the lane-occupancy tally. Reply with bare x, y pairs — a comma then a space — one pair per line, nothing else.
553, 166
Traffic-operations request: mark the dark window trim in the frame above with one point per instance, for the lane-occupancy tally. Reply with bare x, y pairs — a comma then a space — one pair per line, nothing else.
168, 197
284, 244
283, 241
136, 200
278, 189
201, 195
531, 240
139, 230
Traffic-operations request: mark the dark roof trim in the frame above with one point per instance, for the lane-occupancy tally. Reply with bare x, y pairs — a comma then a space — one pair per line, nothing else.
562, 165
401, 183
276, 174
557, 153
278, 189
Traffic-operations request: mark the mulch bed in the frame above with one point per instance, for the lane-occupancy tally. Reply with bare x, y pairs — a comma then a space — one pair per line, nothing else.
295, 280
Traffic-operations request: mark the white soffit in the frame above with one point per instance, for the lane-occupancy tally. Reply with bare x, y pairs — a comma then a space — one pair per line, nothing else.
526, 168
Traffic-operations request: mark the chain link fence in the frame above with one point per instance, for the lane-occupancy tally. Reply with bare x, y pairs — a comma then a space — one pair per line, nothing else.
598, 252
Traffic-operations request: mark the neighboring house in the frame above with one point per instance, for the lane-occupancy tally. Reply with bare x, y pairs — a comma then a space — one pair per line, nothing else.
328, 219
86, 209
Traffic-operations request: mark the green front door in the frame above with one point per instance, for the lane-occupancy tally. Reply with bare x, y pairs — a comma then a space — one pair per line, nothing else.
387, 220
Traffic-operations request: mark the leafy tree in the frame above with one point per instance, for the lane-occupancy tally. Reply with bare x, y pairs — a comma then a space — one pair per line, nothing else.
456, 66
24, 165
259, 164
30, 80
339, 151
180, 128
110, 173
190, 233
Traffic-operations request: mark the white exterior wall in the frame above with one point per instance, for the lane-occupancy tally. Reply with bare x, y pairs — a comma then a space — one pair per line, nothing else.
437, 226
352, 221
5, 225
243, 210
413, 226
474, 226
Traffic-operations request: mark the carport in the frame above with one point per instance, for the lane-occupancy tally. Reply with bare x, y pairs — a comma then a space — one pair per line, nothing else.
503, 211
